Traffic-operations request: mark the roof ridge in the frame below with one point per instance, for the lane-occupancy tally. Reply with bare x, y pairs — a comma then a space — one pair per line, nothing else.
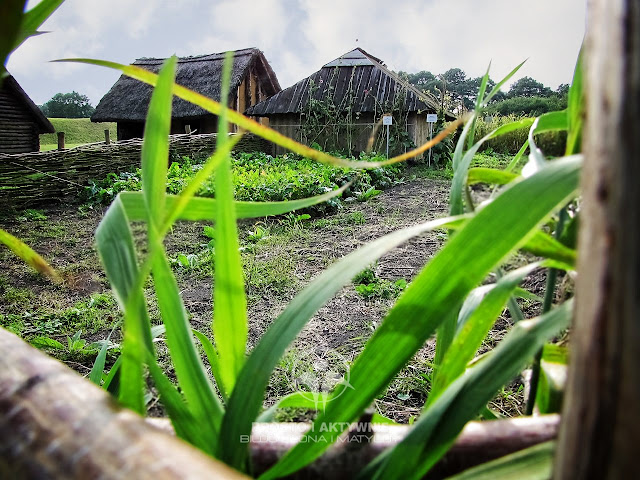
199, 58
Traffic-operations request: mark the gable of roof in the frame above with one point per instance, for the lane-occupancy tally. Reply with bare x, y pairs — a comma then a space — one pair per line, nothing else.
355, 78
43, 124
128, 99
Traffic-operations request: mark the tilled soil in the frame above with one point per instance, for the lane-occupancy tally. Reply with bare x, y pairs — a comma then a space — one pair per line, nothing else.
300, 248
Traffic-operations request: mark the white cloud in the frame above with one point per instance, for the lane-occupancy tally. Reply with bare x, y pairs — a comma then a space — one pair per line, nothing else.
299, 36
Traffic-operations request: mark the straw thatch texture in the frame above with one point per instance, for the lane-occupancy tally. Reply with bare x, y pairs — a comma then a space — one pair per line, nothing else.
128, 99
356, 78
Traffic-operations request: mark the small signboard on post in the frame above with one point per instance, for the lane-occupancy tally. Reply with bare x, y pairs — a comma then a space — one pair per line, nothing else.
387, 120
431, 119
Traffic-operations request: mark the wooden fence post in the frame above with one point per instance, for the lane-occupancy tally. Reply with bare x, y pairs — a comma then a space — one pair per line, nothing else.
107, 138
600, 431
60, 140
187, 129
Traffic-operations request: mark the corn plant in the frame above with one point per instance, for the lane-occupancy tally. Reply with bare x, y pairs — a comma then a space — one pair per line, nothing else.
215, 412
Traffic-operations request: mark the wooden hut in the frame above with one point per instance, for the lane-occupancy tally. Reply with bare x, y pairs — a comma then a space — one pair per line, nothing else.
21, 121
252, 80
338, 106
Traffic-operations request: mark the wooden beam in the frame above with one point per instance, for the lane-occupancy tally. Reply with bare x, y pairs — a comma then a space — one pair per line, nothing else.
601, 429
55, 424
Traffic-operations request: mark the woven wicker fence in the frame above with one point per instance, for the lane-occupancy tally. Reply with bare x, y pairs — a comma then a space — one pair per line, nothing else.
33, 179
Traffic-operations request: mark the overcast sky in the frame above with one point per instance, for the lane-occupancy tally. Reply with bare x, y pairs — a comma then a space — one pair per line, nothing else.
299, 36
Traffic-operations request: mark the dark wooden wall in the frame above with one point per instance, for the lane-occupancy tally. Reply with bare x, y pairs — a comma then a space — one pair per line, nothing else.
18, 131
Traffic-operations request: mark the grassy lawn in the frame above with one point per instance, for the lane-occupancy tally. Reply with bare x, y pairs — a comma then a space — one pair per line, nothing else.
77, 131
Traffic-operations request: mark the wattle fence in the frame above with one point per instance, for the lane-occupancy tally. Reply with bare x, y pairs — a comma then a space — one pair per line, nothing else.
41, 178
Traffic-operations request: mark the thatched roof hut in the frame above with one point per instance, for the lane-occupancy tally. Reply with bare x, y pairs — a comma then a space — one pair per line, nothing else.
21, 121
252, 80
355, 89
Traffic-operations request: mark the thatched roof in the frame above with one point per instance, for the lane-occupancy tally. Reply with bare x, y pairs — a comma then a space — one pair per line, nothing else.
128, 99
11, 86
355, 77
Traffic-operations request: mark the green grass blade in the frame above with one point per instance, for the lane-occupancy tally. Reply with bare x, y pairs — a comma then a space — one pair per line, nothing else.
544, 123
35, 17
10, 20
575, 108
483, 88
489, 175
294, 400
514, 161
212, 357
117, 253
533, 463
230, 324
462, 166
192, 375
474, 324
459, 150
200, 396
95, 376
200, 208
443, 420
184, 423
552, 121
499, 85
111, 376
544, 245
440, 289
155, 147
29, 256
246, 401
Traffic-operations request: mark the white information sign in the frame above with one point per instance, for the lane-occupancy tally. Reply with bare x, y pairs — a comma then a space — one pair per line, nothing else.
387, 120
432, 117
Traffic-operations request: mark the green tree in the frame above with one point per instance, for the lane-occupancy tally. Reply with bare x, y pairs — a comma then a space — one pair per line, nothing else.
68, 105
528, 87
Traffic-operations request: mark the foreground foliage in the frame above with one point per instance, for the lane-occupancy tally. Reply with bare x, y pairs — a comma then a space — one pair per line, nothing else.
214, 412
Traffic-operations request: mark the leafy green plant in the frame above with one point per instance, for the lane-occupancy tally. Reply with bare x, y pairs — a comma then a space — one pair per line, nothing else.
510, 222
445, 296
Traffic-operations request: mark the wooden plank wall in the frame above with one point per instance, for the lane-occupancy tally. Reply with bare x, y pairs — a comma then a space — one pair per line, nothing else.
18, 132
41, 178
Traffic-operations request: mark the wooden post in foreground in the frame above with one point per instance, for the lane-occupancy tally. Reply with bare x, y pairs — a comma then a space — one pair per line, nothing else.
60, 140
600, 432
187, 129
107, 136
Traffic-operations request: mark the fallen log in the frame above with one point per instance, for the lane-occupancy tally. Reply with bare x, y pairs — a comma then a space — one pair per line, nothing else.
56, 424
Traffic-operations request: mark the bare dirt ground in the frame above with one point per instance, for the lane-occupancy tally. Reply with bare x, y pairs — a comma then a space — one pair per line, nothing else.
287, 255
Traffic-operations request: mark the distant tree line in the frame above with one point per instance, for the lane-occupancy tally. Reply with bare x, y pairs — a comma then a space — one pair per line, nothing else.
68, 105
457, 93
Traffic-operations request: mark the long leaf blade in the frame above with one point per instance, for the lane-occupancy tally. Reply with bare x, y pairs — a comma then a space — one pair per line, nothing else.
247, 397
200, 208
439, 289
444, 419
29, 256
230, 323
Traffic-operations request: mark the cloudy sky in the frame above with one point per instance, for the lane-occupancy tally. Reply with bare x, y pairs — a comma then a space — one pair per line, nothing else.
299, 36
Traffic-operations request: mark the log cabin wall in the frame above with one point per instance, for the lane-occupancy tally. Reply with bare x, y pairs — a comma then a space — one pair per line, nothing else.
18, 132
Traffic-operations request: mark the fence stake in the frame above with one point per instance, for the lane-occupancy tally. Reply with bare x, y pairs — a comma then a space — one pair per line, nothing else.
107, 138
60, 140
